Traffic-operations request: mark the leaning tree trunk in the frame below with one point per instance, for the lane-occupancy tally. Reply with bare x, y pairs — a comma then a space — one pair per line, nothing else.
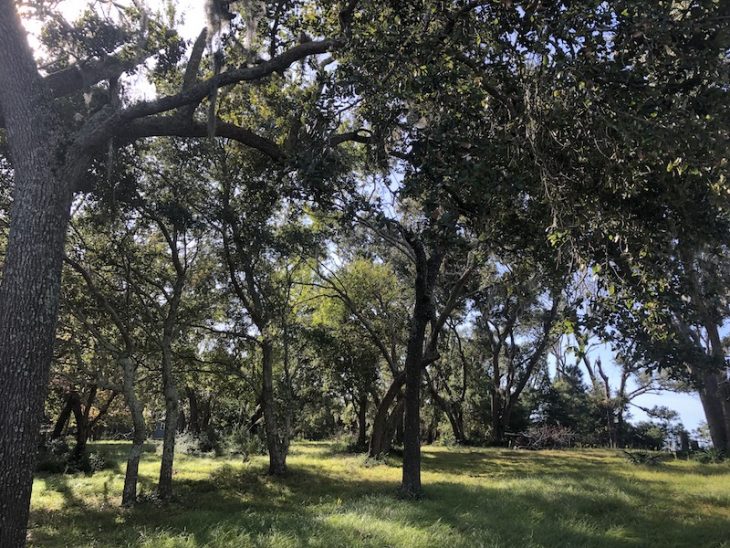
277, 451
712, 403
395, 422
452, 412
31, 278
81, 429
380, 422
129, 492
164, 486
63, 417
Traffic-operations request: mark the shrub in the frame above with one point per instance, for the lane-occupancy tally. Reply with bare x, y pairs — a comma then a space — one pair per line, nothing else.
546, 436
243, 442
643, 457
709, 456
97, 462
57, 447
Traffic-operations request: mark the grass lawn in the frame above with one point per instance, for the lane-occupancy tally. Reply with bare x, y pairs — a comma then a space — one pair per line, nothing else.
474, 497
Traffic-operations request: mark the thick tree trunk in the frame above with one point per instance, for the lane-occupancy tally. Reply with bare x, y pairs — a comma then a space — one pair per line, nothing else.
29, 291
411, 483
164, 487
711, 396
274, 443
129, 492
380, 422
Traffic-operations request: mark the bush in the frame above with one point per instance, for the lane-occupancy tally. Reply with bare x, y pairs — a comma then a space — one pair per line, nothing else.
57, 447
709, 456
210, 442
643, 457
50, 464
202, 445
56, 457
97, 462
546, 436
447, 438
243, 442
53, 456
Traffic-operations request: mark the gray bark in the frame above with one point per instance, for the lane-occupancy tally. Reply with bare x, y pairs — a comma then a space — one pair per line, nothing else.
129, 492
275, 441
164, 488
32, 271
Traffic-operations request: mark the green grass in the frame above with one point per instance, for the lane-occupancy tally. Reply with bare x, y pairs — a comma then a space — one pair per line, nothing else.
474, 497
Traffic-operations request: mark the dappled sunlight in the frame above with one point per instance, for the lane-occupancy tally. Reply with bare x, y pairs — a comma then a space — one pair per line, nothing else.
474, 497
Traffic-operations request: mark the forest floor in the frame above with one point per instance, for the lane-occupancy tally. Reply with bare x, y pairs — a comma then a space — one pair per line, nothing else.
474, 497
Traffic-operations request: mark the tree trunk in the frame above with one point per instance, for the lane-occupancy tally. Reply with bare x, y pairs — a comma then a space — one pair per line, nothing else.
362, 418
194, 422
31, 278
182, 422
498, 422
129, 492
81, 427
380, 422
452, 412
258, 413
277, 452
411, 483
620, 429
395, 422
711, 398
164, 487
457, 424
62, 420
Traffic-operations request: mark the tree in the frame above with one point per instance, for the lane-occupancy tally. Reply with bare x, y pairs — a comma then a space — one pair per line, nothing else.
50, 153
516, 323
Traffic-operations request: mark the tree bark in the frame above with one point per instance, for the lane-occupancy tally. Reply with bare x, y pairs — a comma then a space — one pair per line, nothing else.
712, 404
164, 487
380, 422
81, 428
194, 419
395, 422
411, 483
63, 417
30, 287
362, 418
274, 443
129, 492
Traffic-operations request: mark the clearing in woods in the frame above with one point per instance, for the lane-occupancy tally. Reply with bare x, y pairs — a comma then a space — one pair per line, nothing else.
474, 497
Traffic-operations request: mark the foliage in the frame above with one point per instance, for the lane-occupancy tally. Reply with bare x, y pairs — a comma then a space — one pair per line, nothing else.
643, 457
246, 444
709, 456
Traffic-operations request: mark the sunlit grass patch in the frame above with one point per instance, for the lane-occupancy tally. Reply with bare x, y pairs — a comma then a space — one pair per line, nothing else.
474, 497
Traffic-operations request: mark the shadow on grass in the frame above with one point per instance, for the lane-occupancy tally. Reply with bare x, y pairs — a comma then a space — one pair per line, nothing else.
581, 502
